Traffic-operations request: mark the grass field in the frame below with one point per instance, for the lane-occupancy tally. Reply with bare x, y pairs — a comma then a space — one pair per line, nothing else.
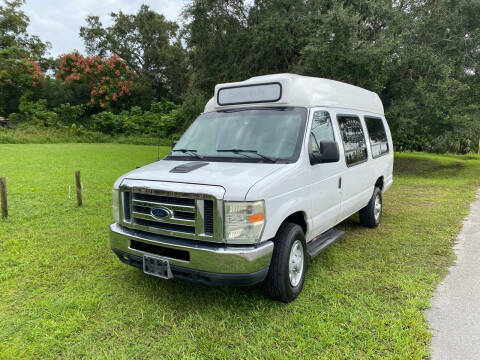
63, 294
24, 134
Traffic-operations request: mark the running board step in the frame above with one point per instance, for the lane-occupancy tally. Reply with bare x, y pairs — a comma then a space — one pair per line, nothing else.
322, 241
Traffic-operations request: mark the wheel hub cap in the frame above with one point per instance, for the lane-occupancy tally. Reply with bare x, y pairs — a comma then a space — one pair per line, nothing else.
295, 263
378, 208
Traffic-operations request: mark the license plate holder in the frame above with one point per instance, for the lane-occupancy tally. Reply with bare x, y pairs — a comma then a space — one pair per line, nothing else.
156, 266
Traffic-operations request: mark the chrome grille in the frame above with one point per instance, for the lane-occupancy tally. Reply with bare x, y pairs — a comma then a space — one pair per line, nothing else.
208, 218
158, 199
127, 206
189, 216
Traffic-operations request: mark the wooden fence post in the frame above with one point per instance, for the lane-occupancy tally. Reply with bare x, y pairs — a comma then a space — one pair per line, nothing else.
79, 188
3, 196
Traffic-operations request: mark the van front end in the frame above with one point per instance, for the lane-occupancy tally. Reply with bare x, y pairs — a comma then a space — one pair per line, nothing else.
176, 230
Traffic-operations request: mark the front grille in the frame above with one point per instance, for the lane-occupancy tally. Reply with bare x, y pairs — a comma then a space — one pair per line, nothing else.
126, 206
186, 216
165, 199
208, 217
142, 209
183, 215
165, 226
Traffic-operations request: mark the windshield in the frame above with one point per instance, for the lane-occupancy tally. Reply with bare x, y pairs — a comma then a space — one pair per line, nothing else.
249, 135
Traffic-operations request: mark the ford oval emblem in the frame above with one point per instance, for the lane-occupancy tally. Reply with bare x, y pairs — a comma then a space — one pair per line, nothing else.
160, 212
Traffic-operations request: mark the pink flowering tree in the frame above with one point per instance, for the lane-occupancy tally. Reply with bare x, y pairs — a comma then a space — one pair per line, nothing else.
107, 79
38, 77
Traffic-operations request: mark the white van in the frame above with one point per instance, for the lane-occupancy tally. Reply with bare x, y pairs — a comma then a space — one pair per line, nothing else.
256, 184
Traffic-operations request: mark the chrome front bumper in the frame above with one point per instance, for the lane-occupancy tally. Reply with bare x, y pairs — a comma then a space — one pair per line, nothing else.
206, 258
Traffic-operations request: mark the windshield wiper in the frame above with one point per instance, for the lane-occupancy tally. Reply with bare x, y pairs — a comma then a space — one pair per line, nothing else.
239, 151
191, 152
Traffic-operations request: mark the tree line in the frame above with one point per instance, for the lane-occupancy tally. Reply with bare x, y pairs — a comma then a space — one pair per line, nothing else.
147, 75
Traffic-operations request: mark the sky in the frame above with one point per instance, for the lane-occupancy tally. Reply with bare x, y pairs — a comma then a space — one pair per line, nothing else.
59, 21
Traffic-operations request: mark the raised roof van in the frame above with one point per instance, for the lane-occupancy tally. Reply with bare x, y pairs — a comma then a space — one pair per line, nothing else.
257, 184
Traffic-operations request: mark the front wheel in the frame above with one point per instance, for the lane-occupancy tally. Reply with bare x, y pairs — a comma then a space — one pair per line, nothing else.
371, 214
288, 265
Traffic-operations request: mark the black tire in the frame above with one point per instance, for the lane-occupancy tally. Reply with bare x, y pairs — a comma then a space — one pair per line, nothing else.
277, 283
368, 215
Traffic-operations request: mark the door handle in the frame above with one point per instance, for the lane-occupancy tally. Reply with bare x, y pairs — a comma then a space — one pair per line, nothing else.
340, 182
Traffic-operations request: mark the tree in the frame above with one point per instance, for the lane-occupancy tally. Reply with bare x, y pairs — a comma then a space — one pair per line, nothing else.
422, 57
430, 92
108, 80
148, 43
16, 45
216, 34
13, 31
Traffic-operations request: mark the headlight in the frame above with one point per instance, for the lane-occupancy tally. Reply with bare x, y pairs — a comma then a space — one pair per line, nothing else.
115, 205
244, 221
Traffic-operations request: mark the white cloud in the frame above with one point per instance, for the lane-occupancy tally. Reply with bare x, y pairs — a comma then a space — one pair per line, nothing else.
59, 21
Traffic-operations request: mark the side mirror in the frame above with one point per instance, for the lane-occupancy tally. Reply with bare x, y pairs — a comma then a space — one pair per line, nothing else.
328, 153
174, 142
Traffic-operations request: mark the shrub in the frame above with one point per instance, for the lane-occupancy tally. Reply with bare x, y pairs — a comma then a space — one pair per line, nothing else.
76, 130
106, 122
36, 113
70, 114
451, 143
162, 119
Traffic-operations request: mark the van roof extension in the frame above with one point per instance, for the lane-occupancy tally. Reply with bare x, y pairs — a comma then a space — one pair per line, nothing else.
296, 90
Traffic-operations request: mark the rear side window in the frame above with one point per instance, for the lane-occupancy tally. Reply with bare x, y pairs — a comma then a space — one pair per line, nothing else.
353, 138
378, 136
321, 129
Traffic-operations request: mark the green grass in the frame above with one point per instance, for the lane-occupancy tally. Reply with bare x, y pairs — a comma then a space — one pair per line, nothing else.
63, 294
56, 135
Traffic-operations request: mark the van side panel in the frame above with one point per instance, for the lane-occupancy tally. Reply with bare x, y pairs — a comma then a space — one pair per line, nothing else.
285, 192
295, 188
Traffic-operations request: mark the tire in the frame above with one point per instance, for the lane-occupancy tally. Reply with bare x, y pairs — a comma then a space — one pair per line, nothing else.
278, 284
371, 214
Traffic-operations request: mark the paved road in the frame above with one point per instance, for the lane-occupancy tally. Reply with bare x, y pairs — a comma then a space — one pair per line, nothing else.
455, 313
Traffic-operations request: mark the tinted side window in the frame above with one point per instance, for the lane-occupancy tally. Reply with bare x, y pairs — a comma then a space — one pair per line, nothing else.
378, 136
321, 129
353, 139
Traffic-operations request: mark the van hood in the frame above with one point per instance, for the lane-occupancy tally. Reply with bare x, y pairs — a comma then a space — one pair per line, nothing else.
236, 178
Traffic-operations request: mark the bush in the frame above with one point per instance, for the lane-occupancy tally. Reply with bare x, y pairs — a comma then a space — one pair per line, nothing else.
70, 114
451, 143
36, 113
106, 122
162, 119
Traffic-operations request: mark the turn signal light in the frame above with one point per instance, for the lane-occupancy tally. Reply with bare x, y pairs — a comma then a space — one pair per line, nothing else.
256, 218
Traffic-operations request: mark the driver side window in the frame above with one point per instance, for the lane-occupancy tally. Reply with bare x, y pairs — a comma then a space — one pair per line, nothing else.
321, 129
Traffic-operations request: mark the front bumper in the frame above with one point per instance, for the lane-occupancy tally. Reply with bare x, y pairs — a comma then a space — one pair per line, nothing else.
209, 263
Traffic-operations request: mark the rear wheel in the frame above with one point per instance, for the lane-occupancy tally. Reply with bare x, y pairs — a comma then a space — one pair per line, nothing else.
371, 214
288, 265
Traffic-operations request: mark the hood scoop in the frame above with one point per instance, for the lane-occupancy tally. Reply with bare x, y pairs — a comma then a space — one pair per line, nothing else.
186, 168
